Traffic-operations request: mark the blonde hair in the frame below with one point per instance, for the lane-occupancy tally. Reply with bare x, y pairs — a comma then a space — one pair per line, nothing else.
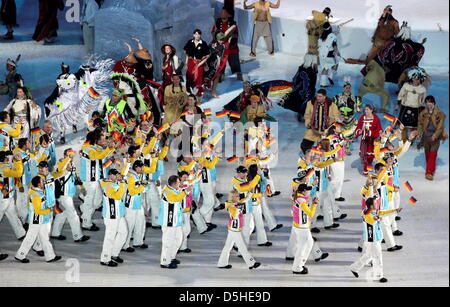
232, 194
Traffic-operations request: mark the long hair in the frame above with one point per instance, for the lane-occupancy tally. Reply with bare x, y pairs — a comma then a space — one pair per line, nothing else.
252, 172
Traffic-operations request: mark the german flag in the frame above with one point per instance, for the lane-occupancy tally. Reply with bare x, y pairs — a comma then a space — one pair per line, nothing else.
310, 173
107, 163
184, 113
235, 115
70, 152
36, 130
207, 112
93, 93
270, 142
407, 186
384, 150
163, 128
250, 158
389, 129
390, 118
222, 114
232, 159
412, 200
369, 168
316, 151
146, 115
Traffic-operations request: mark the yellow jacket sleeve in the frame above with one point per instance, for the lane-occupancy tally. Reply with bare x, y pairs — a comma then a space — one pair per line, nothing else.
152, 168
385, 212
376, 150
187, 168
37, 206
163, 154
208, 164
132, 189
217, 138
403, 149
147, 149
309, 211
233, 211
175, 198
369, 218
248, 186
324, 164
332, 152
116, 194
62, 165
99, 154
15, 172
15, 132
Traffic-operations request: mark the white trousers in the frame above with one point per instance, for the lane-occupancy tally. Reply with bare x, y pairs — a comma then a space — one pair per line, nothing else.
316, 252
92, 201
305, 243
326, 204
186, 229
36, 232
22, 204
199, 221
249, 226
396, 205
235, 238
268, 215
209, 201
7, 208
172, 238
371, 253
136, 226
38, 246
386, 228
69, 214
153, 201
116, 231
261, 236
337, 181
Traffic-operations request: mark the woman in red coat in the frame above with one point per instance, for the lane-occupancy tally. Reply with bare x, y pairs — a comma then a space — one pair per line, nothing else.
369, 128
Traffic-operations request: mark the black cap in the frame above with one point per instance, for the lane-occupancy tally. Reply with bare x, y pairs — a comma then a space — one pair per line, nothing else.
302, 174
304, 187
43, 164
113, 171
242, 169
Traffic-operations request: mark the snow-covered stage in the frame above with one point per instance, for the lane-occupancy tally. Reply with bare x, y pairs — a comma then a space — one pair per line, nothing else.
423, 261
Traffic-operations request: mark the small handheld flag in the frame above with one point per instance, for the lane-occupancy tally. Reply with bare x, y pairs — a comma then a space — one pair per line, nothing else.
316, 151
412, 200
107, 163
93, 93
310, 173
222, 114
163, 128
390, 118
384, 150
36, 130
235, 115
207, 112
70, 152
408, 187
369, 168
232, 159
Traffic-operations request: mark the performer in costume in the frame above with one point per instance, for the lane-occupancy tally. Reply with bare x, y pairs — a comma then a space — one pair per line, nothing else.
314, 29
262, 19
223, 23
171, 66
175, 96
432, 132
348, 104
304, 86
329, 55
196, 52
369, 127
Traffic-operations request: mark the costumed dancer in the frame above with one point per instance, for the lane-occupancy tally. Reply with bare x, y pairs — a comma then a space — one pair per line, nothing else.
304, 86
369, 128
320, 113
223, 23
314, 27
171, 220
113, 213
412, 99
372, 236
432, 132
236, 222
348, 104
329, 55
196, 52
175, 96
262, 20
